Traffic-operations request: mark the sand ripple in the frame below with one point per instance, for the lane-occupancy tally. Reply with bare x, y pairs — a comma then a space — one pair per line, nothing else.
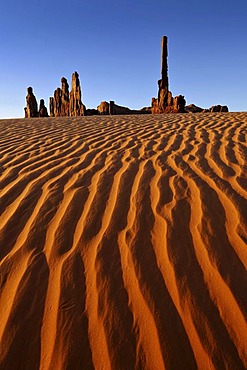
123, 242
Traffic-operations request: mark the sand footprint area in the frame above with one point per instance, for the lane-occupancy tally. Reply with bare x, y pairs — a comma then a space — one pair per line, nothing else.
123, 242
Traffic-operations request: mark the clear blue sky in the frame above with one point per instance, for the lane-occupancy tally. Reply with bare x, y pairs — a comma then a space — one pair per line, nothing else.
114, 45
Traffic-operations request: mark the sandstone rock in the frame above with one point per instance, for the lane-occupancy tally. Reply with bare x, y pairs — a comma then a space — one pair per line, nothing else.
155, 106
165, 102
103, 108
42, 109
145, 110
224, 108
65, 105
92, 112
106, 108
57, 102
172, 105
192, 108
119, 109
169, 99
59, 105
163, 83
112, 108
31, 106
219, 108
51, 107
179, 104
164, 63
162, 95
76, 106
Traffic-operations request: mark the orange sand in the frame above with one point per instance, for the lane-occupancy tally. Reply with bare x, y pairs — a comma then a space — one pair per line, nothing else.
123, 242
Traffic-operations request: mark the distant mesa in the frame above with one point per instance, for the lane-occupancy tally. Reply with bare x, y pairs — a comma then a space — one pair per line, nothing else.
219, 108
192, 108
65, 103
111, 108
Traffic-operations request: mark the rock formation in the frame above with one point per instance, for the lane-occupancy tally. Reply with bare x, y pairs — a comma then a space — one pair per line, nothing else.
178, 104
65, 103
51, 107
31, 109
76, 106
91, 112
219, 108
165, 103
118, 109
163, 83
57, 102
155, 106
42, 109
192, 108
111, 108
103, 108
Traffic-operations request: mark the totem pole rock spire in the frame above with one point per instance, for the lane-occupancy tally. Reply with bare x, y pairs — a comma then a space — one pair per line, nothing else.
164, 64
165, 102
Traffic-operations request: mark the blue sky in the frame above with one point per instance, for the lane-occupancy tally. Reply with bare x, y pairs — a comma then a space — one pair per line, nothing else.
115, 48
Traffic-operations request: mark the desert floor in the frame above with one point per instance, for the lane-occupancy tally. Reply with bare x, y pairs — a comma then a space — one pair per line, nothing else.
123, 242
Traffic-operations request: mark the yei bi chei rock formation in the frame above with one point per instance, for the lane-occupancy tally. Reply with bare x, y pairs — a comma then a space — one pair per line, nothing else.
31, 109
65, 103
62, 104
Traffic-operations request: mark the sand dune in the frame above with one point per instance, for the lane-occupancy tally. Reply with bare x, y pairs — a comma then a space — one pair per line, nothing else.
123, 242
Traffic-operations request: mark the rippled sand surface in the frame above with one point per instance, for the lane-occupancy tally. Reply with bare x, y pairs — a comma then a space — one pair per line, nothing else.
123, 242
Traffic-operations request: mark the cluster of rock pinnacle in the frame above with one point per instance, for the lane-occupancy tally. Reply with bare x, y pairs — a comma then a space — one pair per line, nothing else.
65, 103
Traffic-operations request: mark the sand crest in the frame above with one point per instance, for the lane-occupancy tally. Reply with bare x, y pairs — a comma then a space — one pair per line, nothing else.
123, 242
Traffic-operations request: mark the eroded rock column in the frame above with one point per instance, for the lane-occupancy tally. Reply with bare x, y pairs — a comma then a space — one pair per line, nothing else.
65, 106
31, 109
163, 82
76, 106
42, 109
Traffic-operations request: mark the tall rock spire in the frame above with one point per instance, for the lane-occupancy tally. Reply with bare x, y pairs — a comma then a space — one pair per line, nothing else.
76, 106
165, 102
164, 64
163, 82
31, 109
